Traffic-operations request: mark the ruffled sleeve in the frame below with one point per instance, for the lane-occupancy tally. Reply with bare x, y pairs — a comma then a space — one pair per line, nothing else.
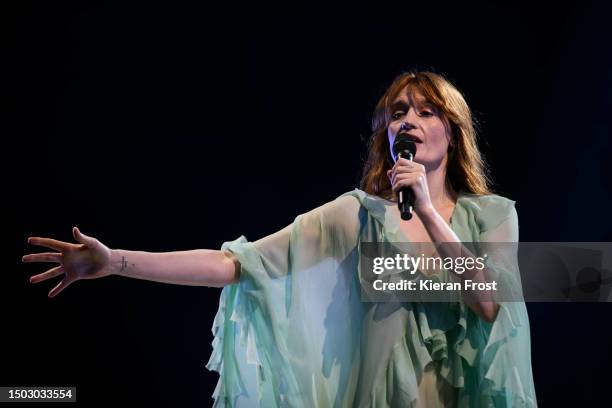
269, 332
504, 375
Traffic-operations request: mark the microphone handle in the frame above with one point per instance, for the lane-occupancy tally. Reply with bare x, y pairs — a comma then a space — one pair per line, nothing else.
405, 196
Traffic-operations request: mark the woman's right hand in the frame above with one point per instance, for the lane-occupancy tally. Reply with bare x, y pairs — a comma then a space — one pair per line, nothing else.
89, 259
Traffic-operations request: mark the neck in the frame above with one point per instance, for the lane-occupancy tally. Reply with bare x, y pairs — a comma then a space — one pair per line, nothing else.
440, 193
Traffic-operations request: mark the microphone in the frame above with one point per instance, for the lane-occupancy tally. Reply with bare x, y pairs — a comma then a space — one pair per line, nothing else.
404, 147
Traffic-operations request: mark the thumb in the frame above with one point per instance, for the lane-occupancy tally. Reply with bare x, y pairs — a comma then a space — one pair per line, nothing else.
82, 238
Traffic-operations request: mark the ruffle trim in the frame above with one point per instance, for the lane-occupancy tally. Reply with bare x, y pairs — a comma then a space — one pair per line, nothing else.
232, 321
488, 349
242, 311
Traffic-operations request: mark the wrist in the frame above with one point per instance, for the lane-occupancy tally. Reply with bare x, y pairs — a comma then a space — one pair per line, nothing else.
427, 213
117, 262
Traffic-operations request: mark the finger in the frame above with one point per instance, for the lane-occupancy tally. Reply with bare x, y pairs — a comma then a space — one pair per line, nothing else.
48, 243
404, 180
406, 176
51, 273
43, 257
405, 169
82, 238
64, 283
404, 162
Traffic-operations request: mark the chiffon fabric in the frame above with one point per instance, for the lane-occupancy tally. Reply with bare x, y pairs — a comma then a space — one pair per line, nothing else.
294, 332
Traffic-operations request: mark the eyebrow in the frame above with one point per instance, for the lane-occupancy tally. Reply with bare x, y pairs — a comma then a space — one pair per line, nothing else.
402, 104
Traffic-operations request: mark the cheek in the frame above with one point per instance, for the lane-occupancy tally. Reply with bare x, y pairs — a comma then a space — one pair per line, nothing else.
437, 135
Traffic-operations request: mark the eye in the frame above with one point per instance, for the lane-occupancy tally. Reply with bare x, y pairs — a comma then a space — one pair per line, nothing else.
397, 114
426, 112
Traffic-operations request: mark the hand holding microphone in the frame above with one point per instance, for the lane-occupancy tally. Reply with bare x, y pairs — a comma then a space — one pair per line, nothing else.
408, 178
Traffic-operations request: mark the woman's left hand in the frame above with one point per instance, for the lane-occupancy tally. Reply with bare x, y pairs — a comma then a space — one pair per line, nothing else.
407, 173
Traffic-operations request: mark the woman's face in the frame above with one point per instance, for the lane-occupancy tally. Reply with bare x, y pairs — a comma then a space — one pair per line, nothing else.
413, 115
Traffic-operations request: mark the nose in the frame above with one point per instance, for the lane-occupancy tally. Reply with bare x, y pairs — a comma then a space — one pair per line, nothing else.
407, 125
409, 121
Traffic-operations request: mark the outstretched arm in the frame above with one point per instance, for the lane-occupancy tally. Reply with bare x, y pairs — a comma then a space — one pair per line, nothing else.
90, 259
198, 267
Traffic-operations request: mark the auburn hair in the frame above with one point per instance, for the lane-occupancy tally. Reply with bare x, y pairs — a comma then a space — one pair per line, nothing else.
466, 169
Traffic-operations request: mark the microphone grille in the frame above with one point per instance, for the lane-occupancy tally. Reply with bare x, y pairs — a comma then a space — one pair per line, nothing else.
403, 142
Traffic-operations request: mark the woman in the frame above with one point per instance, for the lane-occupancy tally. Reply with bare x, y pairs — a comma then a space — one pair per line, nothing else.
292, 330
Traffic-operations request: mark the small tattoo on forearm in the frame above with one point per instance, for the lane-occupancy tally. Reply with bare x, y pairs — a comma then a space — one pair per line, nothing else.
124, 264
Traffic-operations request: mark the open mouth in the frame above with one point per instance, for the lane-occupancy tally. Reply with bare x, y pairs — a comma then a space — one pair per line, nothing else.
414, 138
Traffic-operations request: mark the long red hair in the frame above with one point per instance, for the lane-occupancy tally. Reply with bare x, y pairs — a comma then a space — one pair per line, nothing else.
466, 169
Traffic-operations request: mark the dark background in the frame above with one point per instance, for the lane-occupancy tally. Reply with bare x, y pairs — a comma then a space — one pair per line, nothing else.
164, 126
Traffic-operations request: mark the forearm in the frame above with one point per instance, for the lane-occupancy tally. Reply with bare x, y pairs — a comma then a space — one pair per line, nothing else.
199, 267
439, 231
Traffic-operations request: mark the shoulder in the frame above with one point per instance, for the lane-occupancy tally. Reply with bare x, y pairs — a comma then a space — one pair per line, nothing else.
347, 203
488, 210
351, 208
363, 199
488, 202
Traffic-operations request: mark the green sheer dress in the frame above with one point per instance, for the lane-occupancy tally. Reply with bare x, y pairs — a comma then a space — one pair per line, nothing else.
293, 332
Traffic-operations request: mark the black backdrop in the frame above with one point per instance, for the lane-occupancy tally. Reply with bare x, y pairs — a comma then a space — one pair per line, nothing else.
164, 127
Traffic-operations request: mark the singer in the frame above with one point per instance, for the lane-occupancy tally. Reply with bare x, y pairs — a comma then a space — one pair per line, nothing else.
291, 329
